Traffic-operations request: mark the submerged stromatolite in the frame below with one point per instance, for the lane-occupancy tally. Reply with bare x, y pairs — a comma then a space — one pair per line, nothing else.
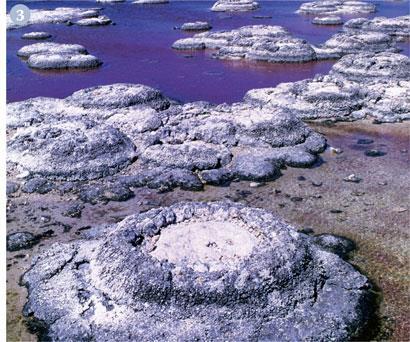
205, 271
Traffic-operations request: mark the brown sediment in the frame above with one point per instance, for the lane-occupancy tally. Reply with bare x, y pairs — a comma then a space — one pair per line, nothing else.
374, 213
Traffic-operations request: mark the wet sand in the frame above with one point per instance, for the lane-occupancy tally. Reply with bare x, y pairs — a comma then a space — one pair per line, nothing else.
374, 213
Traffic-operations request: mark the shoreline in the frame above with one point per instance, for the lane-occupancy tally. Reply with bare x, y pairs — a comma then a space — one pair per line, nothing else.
370, 214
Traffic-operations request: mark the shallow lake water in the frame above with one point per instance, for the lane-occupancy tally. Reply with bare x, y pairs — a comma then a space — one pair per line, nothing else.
138, 50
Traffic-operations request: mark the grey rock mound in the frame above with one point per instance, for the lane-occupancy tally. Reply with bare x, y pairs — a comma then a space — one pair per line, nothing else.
97, 21
234, 6
36, 35
51, 48
389, 101
319, 98
345, 43
119, 95
374, 85
255, 42
336, 7
217, 271
397, 27
333, 20
55, 16
19, 241
335, 244
70, 150
58, 56
196, 26
369, 67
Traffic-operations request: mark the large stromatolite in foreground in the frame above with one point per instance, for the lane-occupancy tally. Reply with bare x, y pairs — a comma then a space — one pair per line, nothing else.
196, 271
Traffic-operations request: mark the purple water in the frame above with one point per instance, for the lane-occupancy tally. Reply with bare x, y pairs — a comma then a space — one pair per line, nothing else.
138, 50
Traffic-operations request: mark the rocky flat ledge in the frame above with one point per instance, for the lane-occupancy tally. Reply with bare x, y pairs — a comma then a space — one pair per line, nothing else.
204, 270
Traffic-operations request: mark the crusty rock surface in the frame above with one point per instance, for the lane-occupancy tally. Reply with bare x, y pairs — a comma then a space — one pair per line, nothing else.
234, 5
119, 95
397, 27
57, 15
177, 145
275, 44
70, 150
204, 271
49, 47
369, 67
196, 26
255, 42
58, 56
333, 20
97, 21
336, 7
375, 85
345, 43
318, 98
20, 240
36, 35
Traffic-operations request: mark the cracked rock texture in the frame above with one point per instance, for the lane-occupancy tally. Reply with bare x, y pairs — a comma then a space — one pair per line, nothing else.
336, 7
97, 132
58, 15
205, 271
234, 6
58, 56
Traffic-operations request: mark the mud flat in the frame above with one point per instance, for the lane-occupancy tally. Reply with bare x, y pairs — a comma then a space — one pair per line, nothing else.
371, 213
